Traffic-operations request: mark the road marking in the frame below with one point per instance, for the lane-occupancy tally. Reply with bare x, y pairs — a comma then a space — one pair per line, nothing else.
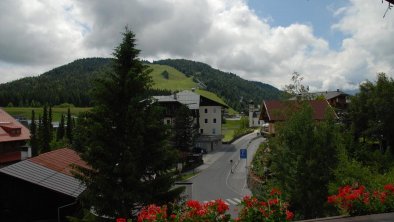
226, 203
238, 200
231, 201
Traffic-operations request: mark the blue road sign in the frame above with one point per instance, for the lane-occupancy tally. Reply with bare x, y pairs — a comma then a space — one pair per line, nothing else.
243, 153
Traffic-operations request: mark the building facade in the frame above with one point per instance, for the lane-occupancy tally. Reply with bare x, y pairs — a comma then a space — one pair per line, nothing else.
206, 113
13, 139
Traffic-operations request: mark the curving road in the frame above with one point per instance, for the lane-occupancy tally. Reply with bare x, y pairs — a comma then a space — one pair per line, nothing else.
216, 181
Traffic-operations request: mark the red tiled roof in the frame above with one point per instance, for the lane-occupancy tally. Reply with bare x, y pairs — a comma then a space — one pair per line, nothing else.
7, 124
60, 160
279, 110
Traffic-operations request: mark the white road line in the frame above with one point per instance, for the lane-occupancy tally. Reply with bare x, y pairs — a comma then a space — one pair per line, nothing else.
205, 201
238, 200
226, 203
231, 201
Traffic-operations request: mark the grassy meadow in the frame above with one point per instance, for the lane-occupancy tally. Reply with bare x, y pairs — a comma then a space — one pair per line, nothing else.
176, 80
56, 112
229, 128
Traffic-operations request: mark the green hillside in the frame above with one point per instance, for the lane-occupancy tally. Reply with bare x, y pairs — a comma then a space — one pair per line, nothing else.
234, 90
72, 82
176, 80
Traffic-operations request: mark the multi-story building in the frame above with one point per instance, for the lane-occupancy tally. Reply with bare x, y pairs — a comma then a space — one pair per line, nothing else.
207, 115
13, 138
254, 115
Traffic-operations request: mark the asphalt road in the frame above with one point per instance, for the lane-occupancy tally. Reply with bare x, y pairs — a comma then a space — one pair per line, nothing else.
218, 181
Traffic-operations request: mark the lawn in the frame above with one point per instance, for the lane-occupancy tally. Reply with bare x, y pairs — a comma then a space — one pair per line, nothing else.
176, 80
56, 112
229, 129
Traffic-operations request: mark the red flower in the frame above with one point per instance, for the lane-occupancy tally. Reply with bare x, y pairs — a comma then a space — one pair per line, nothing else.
289, 215
222, 206
275, 191
193, 204
273, 201
120, 219
389, 187
332, 199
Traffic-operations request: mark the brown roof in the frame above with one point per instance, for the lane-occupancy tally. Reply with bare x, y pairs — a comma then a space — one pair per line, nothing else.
8, 125
275, 110
60, 160
51, 170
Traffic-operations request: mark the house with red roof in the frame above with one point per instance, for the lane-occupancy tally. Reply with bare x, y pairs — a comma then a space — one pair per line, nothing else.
41, 188
13, 138
275, 111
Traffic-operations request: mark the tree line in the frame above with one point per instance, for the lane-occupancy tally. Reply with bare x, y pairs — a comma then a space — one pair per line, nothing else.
44, 137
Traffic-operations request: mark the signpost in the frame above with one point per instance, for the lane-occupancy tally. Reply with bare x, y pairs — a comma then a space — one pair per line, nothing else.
243, 153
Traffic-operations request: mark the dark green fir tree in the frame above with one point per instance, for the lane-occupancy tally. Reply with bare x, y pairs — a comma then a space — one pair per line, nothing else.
33, 135
69, 128
124, 141
60, 129
184, 129
45, 135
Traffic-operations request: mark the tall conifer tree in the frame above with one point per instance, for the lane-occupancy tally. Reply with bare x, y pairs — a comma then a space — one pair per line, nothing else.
124, 141
60, 129
69, 128
33, 135
45, 131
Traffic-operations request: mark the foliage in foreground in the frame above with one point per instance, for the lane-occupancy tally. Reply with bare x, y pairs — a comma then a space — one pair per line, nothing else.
357, 200
272, 209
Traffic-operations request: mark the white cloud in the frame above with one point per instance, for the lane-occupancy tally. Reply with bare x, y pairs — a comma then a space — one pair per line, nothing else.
226, 34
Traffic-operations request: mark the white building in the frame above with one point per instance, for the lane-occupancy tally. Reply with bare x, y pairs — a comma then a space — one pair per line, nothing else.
254, 115
207, 114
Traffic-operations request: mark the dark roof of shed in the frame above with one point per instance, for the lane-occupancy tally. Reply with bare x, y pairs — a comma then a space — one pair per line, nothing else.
278, 110
51, 170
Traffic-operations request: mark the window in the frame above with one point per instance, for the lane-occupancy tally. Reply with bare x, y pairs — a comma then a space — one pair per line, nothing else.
206, 110
206, 120
214, 120
201, 131
213, 131
168, 122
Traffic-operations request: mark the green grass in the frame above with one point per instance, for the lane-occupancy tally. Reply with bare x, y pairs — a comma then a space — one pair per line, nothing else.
187, 176
229, 129
56, 112
176, 80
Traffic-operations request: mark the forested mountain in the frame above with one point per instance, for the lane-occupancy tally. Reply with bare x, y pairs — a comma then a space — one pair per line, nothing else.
68, 83
234, 90
71, 83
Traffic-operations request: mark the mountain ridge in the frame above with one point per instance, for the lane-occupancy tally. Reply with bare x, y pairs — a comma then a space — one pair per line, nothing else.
71, 83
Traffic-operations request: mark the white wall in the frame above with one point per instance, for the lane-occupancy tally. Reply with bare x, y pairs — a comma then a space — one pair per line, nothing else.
210, 128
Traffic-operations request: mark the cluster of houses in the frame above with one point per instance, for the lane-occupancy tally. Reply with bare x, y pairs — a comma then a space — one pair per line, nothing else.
43, 187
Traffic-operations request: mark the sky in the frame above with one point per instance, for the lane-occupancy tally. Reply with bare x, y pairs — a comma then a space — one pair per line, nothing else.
333, 44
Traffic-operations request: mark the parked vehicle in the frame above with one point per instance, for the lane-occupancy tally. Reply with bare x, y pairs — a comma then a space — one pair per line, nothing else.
199, 150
